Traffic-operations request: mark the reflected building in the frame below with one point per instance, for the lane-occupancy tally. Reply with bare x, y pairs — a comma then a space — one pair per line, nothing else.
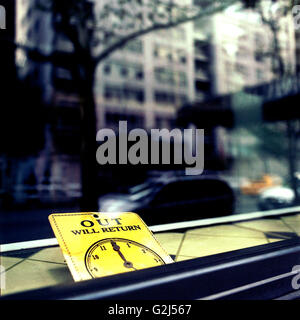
147, 80
239, 48
241, 53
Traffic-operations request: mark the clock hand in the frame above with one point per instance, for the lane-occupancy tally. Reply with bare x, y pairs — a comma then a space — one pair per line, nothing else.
117, 248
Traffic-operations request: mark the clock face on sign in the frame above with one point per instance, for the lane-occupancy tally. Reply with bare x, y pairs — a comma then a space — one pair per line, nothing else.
117, 255
98, 244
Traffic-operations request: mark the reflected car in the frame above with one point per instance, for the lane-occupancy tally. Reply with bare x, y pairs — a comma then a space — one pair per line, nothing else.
175, 200
254, 187
276, 198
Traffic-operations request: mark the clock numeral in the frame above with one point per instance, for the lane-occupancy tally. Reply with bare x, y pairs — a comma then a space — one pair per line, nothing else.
143, 250
102, 248
156, 260
95, 256
128, 245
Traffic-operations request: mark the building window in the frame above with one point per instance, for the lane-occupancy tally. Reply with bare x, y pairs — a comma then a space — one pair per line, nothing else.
107, 69
240, 68
124, 69
139, 96
259, 40
182, 79
113, 92
183, 59
259, 56
260, 75
169, 54
164, 97
165, 76
139, 75
121, 93
169, 98
163, 52
124, 72
243, 52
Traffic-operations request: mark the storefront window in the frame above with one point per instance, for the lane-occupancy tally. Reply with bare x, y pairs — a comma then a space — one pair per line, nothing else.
161, 84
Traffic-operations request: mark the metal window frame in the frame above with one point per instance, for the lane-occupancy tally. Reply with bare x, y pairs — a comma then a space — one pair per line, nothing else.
261, 272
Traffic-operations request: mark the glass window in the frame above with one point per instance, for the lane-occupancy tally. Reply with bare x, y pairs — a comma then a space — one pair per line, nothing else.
234, 186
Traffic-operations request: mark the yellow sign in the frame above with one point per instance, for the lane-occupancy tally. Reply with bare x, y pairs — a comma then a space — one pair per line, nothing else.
97, 244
